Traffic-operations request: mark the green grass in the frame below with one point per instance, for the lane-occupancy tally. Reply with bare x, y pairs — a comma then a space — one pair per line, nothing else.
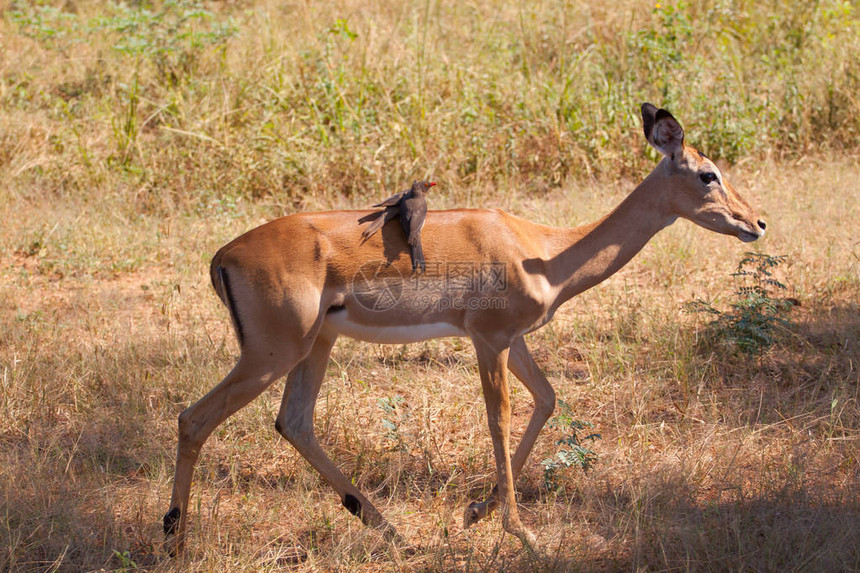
187, 106
137, 139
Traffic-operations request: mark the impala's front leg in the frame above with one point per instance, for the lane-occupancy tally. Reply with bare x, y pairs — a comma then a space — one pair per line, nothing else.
521, 363
493, 364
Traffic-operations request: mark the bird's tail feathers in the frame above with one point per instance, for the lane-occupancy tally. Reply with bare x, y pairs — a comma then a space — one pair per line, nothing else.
372, 228
417, 252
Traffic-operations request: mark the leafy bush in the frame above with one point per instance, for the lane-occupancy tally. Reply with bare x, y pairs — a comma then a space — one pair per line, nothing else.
757, 313
573, 453
393, 417
170, 36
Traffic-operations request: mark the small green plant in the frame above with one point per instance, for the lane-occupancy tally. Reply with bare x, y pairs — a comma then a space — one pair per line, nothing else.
126, 562
172, 36
572, 452
393, 416
125, 124
757, 312
52, 27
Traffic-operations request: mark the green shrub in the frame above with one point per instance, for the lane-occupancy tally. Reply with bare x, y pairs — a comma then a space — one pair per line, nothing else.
572, 453
757, 312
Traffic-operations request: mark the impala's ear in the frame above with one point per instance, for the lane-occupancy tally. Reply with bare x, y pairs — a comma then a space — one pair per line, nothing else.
662, 130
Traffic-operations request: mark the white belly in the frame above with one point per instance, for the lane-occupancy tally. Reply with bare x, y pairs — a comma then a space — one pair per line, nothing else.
340, 324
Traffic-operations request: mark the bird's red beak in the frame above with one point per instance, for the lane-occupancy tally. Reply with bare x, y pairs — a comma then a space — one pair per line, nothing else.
432, 184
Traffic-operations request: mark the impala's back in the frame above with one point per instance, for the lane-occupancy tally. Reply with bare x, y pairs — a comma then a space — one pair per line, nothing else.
477, 263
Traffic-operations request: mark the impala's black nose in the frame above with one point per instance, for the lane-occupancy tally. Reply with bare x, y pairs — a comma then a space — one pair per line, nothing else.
762, 225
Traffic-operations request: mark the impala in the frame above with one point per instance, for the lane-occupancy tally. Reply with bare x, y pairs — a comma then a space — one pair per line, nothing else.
295, 284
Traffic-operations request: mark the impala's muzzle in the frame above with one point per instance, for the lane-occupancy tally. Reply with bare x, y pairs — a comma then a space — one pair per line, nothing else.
756, 233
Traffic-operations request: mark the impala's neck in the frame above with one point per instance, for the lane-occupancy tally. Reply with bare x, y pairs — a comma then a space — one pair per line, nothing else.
595, 252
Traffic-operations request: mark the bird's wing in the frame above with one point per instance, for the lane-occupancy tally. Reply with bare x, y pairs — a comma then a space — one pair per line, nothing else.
370, 217
393, 200
379, 218
412, 215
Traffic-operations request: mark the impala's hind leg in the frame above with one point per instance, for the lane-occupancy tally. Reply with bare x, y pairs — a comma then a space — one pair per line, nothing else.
245, 382
296, 423
273, 342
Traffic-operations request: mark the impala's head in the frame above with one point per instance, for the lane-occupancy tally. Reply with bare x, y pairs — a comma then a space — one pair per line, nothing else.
699, 192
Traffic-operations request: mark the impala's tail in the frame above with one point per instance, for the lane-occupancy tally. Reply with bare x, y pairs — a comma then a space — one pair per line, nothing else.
215, 274
221, 284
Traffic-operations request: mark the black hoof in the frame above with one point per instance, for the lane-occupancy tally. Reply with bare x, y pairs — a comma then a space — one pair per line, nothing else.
351, 503
472, 515
171, 521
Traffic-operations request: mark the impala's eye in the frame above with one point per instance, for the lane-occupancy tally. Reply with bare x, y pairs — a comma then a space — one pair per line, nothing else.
708, 177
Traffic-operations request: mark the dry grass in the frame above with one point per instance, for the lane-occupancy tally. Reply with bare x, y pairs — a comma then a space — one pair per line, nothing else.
707, 461
108, 326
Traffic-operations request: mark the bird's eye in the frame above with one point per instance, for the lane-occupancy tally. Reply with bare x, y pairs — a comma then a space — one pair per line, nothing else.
708, 177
